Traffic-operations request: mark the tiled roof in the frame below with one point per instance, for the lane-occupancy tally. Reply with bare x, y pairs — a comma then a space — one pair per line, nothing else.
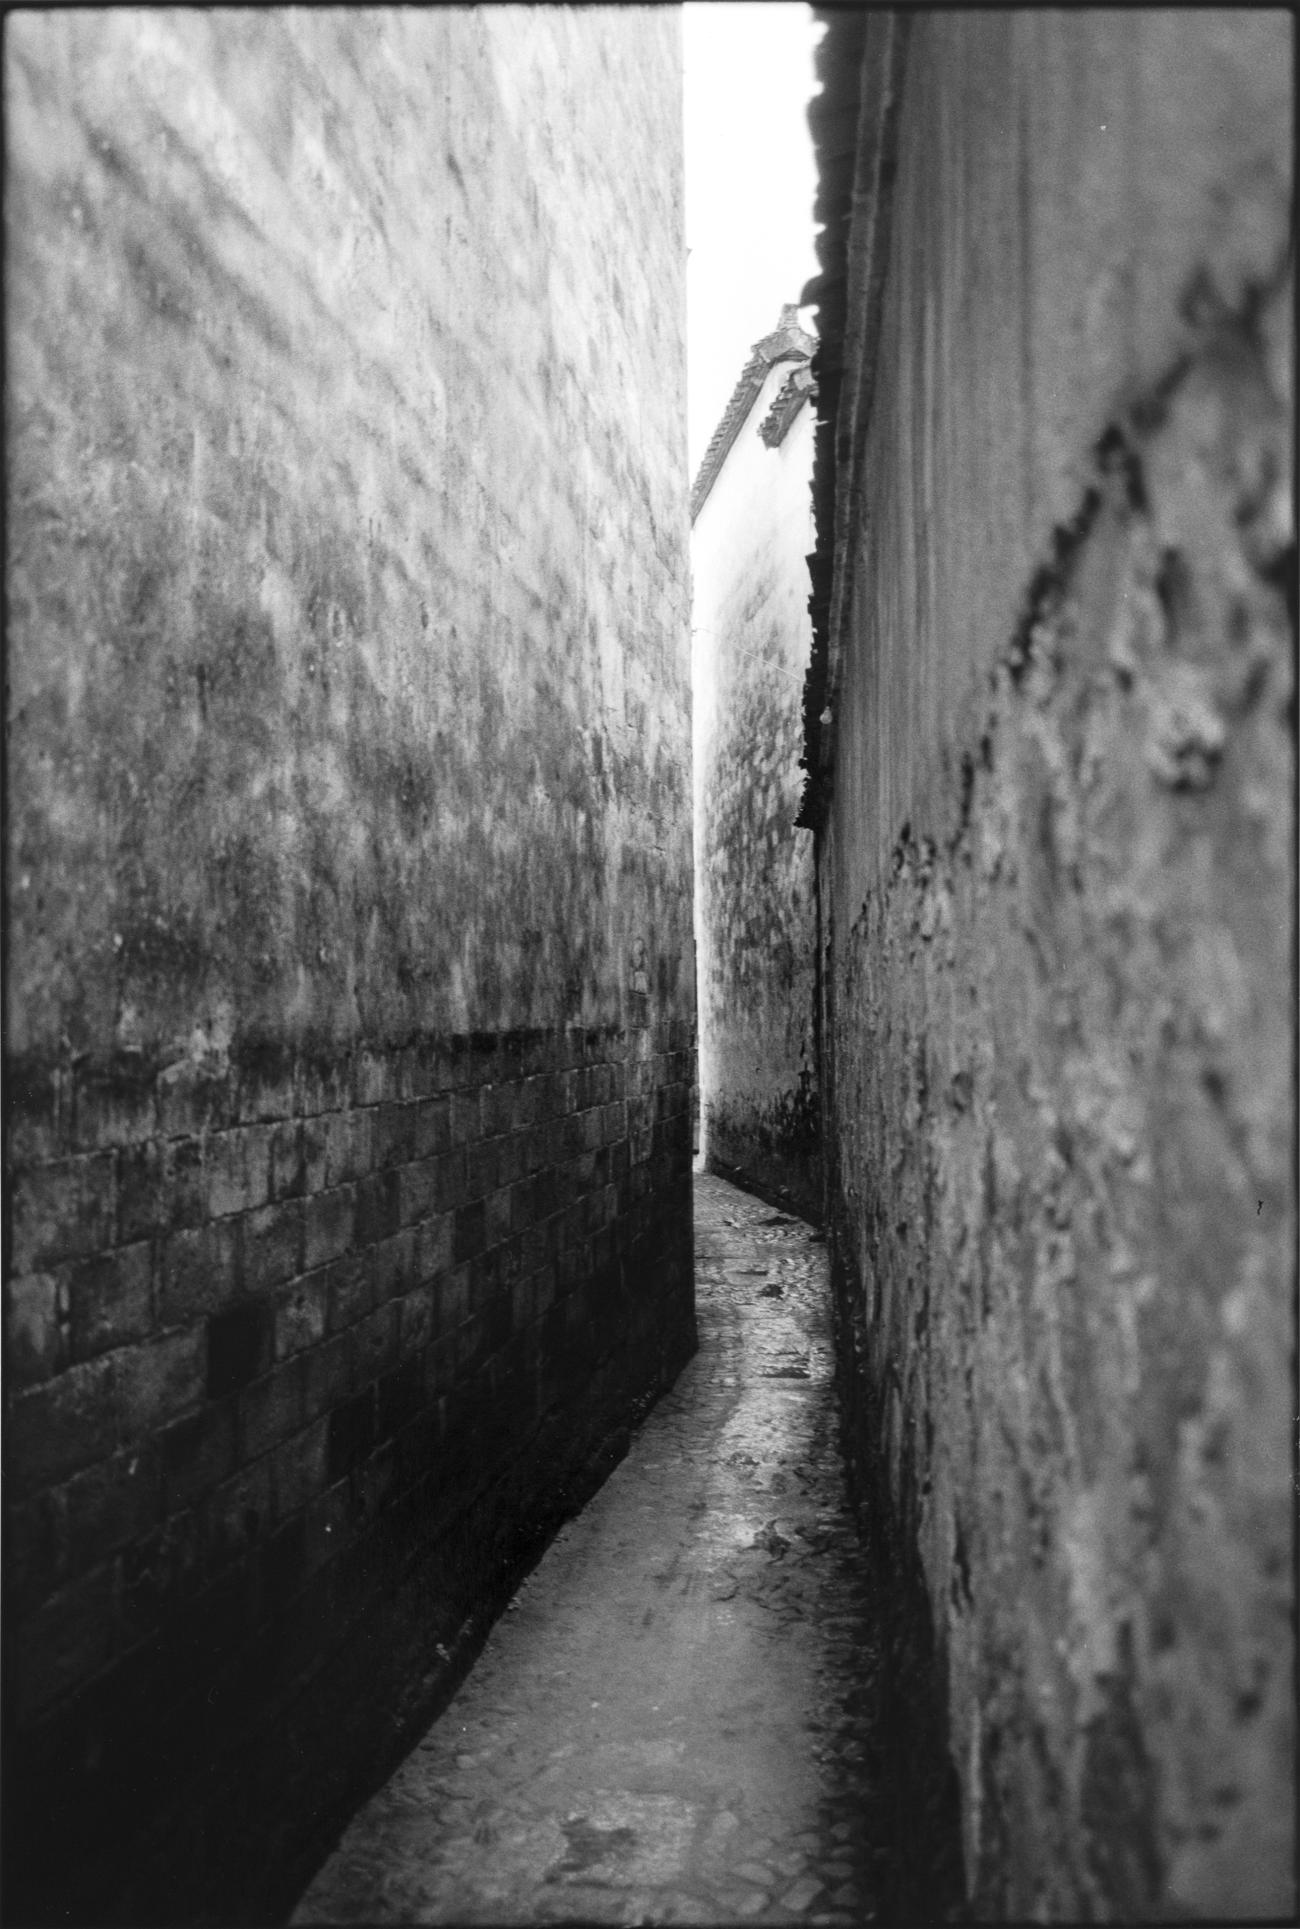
797, 388
787, 343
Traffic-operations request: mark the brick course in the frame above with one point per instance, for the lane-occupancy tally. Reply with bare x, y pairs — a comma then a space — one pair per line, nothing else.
232, 1400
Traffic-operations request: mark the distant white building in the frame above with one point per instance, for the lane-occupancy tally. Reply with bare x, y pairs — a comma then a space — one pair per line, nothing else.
755, 900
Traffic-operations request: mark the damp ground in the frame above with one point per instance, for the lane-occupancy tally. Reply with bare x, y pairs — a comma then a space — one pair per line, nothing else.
674, 1719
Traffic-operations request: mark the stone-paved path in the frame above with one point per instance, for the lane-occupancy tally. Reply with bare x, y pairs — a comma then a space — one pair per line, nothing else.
671, 1723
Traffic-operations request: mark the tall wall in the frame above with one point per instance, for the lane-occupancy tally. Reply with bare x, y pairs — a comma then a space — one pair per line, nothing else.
755, 882
1051, 725
350, 995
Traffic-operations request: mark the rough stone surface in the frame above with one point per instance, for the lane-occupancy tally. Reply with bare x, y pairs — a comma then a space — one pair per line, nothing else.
350, 1011
755, 880
1056, 868
678, 1720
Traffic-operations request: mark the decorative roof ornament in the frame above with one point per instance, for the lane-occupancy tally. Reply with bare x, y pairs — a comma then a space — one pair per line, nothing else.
786, 343
790, 398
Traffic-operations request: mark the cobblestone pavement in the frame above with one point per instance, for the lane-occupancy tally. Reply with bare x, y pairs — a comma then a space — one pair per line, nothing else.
671, 1722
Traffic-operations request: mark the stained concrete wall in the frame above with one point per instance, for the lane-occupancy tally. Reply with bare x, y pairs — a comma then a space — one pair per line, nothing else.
1051, 749
350, 1001
755, 882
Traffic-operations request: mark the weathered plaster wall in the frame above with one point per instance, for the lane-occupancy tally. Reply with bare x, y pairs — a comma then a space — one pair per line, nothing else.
1055, 780
350, 995
755, 881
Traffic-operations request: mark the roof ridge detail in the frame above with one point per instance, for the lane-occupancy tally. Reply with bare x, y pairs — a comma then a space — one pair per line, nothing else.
788, 342
798, 387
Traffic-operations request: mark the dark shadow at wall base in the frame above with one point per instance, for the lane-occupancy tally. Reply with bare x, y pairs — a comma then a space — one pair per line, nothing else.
922, 1876
804, 1199
417, 1694
244, 1833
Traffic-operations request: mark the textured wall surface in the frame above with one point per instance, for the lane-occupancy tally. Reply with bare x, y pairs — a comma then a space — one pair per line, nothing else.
350, 995
755, 885
1057, 882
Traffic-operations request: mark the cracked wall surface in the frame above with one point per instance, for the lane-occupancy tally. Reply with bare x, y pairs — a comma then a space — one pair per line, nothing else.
1056, 770
350, 1012
755, 882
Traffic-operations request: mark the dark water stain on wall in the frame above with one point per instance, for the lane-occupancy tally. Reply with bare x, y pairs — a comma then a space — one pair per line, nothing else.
349, 1174
1052, 775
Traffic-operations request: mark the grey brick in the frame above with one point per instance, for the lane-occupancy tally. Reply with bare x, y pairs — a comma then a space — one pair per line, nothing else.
61, 1426
110, 1299
301, 1312
198, 1272
160, 1381
396, 1265
349, 1290
63, 1211
36, 1337
271, 1408
417, 1188
236, 1170
273, 1245
329, 1220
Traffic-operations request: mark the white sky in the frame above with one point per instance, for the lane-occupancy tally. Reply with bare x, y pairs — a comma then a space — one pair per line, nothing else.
749, 187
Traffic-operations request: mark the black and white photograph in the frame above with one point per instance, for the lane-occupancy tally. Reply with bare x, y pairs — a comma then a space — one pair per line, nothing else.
650, 957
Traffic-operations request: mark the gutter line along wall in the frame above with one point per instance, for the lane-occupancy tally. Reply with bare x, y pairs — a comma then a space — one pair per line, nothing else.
1050, 747
350, 1007
755, 916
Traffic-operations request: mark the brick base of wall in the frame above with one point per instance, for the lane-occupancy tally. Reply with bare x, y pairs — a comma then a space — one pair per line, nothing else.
306, 1358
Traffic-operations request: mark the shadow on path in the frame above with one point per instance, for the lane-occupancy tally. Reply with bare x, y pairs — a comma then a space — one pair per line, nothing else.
675, 1719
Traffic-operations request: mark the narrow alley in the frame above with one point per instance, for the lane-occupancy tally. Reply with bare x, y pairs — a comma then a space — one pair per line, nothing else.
511, 796
673, 1720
